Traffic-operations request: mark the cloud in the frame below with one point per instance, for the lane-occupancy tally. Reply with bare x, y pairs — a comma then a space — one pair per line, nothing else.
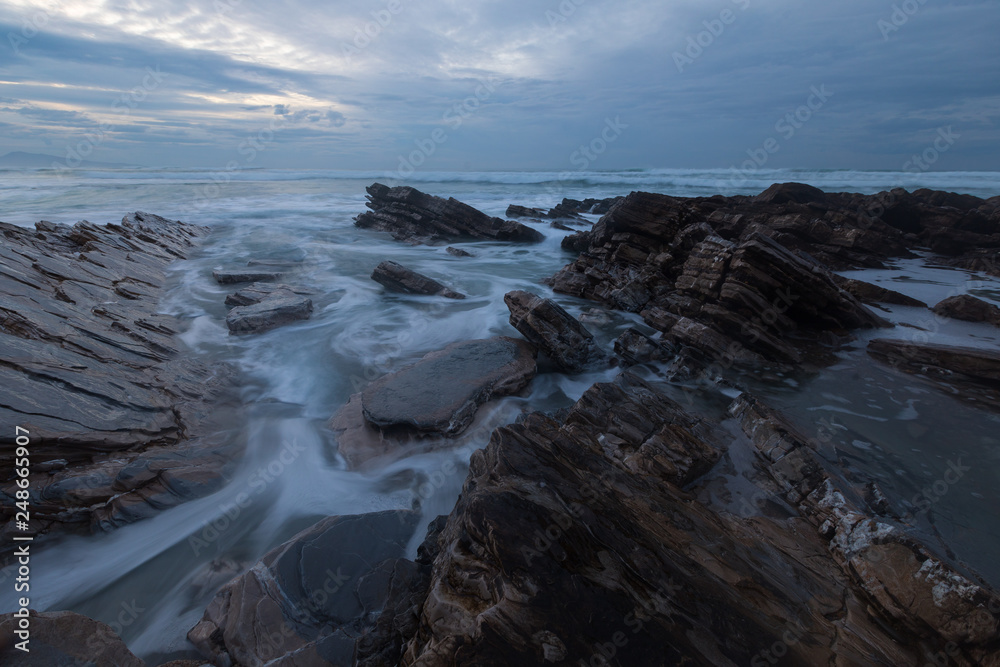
358, 78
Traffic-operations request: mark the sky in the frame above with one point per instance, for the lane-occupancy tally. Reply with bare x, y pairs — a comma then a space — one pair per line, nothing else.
504, 84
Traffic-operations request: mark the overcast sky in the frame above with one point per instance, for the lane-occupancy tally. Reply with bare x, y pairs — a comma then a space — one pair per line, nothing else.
299, 83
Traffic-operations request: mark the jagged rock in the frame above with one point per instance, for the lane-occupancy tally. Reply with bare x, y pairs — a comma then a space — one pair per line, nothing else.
515, 211
279, 307
234, 277
95, 375
397, 278
969, 308
636, 347
868, 293
61, 639
412, 216
752, 298
339, 593
909, 584
440, 394
458, 252
575, 542
557, 333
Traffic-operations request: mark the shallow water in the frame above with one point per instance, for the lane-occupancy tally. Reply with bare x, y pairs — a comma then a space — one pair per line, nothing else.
152, 580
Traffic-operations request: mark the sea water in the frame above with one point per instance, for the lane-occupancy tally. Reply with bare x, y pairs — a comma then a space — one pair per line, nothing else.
152, 580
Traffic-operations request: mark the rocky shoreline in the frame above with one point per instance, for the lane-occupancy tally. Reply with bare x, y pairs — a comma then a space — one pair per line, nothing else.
581, 537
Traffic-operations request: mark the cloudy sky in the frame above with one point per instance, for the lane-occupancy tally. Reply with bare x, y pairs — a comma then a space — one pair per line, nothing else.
502, 84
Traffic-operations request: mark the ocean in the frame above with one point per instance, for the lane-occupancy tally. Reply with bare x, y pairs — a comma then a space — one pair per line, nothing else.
883, 425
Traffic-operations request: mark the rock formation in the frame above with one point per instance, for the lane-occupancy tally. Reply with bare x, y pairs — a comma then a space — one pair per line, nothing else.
397, 278
969, 308
556, 333
578, 542
414, 217
338, 593
438, 395
117, 416
263, 306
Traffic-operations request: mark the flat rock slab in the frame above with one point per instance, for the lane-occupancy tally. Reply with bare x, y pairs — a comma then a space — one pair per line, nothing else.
557, 333
323, 594
281, 306
975, 363
970, 309
257, 292
397, 278
247, 276
415, 217
442, 392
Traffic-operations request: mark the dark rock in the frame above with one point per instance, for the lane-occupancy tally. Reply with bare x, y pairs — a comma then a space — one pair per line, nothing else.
257, 292
515, 211
968, 308
397, 278
412, 216
440, 394
908, 584
940, 361
557, 333
96, 376
868, 293
458, 252
234, 277
442, 391
64, 639
752, 298
280, 307
576, 535
783, 193
635, 347
339, 593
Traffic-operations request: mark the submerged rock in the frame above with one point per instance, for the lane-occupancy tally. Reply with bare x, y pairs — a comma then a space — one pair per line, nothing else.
397, 278
557, 333
969, 308
458, 252
280, 307
245, 276
338, 593
412, 216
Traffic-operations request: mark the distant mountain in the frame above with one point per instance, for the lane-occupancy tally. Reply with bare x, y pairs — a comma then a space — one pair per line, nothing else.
19, 159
